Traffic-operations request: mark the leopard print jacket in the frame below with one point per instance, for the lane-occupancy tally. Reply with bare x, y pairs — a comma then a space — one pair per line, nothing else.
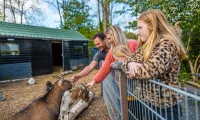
163, 65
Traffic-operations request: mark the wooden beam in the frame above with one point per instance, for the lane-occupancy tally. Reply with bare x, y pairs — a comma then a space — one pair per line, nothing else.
123, 96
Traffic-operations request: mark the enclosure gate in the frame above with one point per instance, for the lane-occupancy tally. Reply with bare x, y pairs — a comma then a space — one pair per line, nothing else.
125, 102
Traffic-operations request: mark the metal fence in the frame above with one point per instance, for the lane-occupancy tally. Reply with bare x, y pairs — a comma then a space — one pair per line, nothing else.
128, 99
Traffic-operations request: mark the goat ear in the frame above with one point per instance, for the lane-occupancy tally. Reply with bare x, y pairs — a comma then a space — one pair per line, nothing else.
80, 93
49, 86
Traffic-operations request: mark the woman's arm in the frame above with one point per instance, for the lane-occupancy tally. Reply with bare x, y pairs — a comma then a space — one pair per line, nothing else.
157, 64
105, 68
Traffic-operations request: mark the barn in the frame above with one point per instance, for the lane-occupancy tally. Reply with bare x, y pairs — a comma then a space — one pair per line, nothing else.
27, 51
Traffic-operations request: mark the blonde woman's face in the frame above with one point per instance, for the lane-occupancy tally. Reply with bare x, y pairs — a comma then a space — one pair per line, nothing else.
110, 40
143, 30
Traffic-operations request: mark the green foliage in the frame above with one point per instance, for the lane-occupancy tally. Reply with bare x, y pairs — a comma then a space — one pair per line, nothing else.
76, 15
131, 35
186, 12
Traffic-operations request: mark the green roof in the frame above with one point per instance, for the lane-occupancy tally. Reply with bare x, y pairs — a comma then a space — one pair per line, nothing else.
35, 32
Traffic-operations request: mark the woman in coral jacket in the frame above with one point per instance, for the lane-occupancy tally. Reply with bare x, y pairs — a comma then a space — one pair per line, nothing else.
115, 36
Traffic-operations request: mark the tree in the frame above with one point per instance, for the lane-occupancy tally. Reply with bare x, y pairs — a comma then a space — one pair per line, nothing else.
130, 35
99, 16
186, 12
76, 15
106, 12
23, 11
1, 16
4, 10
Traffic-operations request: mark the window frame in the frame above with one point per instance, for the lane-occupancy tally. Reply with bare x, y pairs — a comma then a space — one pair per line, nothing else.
10, 49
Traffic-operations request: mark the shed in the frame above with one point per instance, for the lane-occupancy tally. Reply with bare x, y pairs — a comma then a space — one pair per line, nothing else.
27, 51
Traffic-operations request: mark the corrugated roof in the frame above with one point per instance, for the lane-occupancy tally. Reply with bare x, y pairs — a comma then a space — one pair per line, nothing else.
35, 32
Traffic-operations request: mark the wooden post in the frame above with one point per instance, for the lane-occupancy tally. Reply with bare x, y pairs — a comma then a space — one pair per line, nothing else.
100, 64
123, 96
101, 88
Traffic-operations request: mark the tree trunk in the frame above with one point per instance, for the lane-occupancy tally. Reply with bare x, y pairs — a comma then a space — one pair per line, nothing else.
192, 69
13, 11
61, 22
106, 13
64, 13
4, 10
99, 16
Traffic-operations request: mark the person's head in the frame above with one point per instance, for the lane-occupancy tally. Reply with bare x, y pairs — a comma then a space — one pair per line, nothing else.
121, 53
99, 40
153, 25
115, 36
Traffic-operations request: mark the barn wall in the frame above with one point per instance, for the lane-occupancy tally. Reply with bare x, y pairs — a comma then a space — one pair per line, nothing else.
72, 52
15, 71
16, 66
76, 58
24, 52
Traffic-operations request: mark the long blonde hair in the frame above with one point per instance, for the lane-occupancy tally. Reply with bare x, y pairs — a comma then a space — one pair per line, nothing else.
157, 21
121, 51
118, 36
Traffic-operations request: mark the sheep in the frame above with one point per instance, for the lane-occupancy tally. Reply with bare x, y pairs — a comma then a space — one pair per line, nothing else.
46, 107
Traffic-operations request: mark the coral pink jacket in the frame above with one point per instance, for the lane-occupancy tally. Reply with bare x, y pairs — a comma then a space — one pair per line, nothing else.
106, 68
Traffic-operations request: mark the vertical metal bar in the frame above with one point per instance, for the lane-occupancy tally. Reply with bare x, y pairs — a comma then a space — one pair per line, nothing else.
165, 103
143, 98
101, 88
196, 107
154, 86
186, 105
145, 109
171, 105
123, 96
179, 111
151, 98
159, 90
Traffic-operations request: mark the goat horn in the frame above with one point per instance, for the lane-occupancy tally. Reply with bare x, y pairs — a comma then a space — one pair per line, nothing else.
84, 86
58, 77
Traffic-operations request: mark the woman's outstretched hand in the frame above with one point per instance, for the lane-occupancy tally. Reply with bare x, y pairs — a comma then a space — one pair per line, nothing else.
91, 84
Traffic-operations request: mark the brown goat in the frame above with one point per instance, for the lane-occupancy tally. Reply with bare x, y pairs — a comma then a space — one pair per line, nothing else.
70, 97
80, 93
46, 107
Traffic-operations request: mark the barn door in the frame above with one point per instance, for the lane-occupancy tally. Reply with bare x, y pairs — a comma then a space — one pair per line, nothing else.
65, 55
41, 57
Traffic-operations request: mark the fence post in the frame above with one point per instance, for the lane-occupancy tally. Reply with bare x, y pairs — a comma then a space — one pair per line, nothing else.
123, 96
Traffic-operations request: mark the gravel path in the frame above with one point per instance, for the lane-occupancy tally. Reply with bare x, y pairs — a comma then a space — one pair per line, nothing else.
20, 94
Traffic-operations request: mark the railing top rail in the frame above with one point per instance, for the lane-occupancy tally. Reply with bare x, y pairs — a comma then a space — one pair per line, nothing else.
177, 90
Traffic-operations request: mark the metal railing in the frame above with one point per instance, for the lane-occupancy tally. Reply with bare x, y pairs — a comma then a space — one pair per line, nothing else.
128, 99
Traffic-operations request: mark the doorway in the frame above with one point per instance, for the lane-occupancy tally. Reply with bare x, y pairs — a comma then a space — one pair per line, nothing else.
57, 56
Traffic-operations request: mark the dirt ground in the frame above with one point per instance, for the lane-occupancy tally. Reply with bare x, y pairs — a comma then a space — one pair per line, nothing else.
20, 94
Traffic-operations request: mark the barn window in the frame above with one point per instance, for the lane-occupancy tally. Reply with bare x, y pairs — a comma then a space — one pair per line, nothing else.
9, 49
78, 49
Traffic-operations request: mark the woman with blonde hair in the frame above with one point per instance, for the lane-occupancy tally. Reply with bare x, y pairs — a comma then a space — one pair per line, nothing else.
159, 56
114, 37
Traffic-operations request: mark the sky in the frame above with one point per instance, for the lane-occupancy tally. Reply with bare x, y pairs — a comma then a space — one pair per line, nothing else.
51, 16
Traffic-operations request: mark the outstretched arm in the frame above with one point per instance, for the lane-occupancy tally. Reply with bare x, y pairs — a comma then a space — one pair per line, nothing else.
85, 71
